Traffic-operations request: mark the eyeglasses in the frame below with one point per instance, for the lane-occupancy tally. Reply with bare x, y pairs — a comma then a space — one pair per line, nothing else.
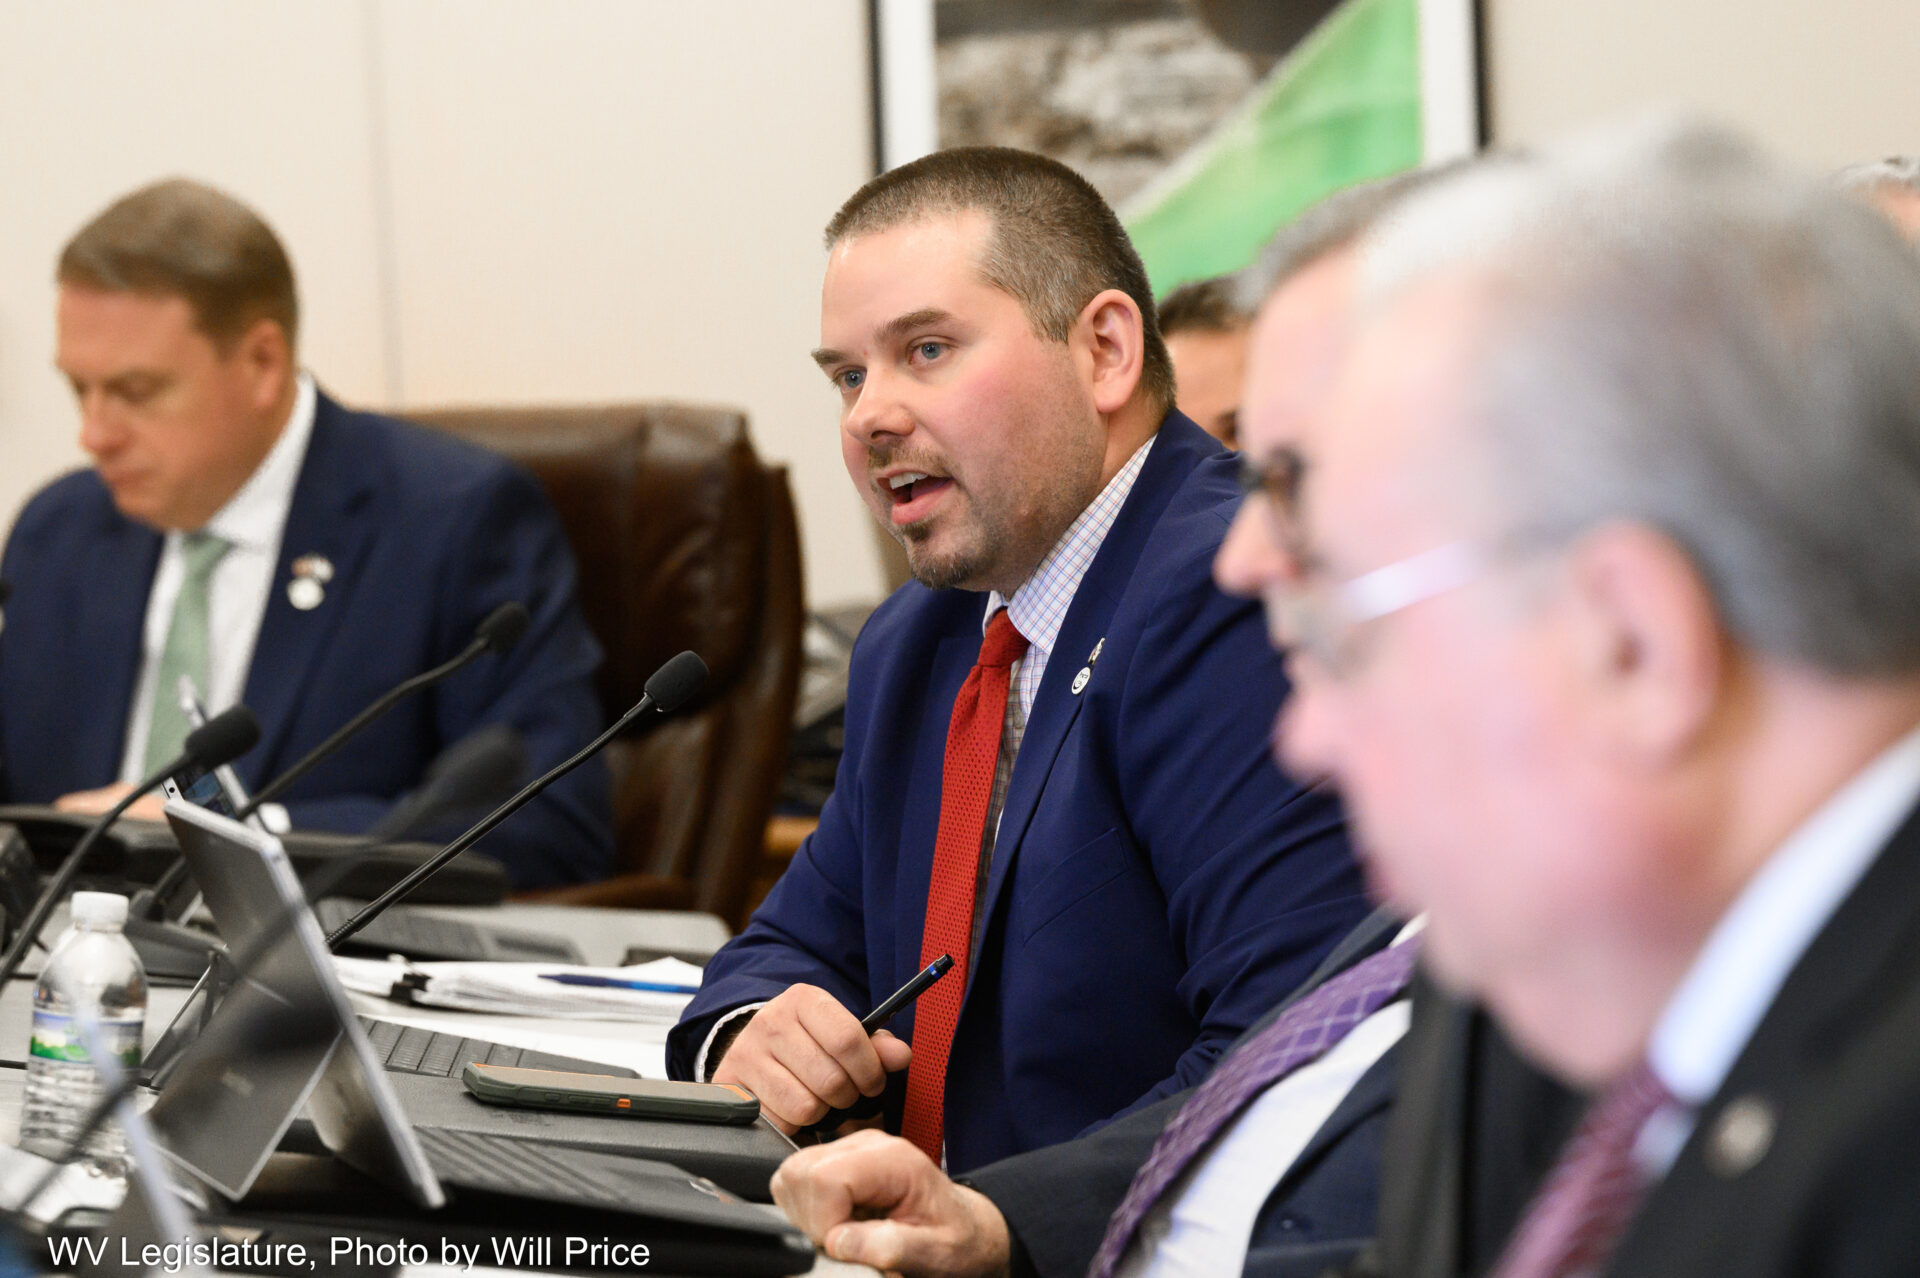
1323, 619
1277, 477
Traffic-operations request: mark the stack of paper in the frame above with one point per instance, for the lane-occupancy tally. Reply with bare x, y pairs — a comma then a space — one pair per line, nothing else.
651, 993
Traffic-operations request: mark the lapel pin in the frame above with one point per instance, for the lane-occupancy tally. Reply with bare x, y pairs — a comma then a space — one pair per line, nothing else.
317, 567
1086, 671
305, 593
1740, 1137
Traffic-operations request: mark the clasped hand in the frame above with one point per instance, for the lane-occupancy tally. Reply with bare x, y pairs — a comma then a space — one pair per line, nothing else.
877, 1200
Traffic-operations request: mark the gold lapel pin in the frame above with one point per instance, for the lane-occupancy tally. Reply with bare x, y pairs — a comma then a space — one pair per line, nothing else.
318, 567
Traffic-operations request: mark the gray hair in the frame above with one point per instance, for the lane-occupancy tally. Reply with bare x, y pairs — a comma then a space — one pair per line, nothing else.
1675, 332
1898, 171
1335, 222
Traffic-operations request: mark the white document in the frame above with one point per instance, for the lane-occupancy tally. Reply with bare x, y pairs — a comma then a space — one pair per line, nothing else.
530, 989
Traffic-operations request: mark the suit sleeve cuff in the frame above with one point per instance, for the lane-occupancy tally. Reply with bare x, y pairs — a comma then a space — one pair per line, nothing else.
702, 1068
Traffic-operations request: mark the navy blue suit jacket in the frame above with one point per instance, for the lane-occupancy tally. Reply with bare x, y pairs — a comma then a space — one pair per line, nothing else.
1156, 884
426, 536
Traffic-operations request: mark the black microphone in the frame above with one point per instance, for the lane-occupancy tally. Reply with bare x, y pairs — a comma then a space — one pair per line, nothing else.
498, 631
219, 740
470, 774
666, 691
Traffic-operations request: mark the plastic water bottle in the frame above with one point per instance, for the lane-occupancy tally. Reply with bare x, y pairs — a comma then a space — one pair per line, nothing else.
92, 972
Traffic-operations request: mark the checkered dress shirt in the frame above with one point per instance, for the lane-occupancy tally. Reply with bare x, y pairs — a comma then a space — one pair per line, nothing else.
1038, 609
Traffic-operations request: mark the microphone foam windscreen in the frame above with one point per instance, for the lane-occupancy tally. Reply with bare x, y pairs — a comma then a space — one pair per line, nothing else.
677, 680
223, 738
502, 628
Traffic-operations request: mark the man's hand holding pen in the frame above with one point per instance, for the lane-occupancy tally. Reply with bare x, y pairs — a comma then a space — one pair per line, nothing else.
804, 1055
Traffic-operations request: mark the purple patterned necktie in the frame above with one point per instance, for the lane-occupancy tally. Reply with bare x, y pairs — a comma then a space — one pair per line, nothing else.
1309, 1029
1585, 1203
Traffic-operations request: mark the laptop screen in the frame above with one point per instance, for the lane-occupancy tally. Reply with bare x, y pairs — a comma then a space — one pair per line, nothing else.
239, 1085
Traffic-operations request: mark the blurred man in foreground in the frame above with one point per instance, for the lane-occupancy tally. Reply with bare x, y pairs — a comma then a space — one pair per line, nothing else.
1600, 571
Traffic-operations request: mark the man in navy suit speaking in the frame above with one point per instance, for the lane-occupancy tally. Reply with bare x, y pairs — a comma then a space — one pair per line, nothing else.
1054, 745
240, 528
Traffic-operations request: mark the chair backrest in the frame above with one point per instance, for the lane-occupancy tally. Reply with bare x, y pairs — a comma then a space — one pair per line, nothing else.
684, 540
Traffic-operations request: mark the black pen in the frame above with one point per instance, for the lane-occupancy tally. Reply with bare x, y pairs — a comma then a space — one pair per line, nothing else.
890, 1007
897, 1001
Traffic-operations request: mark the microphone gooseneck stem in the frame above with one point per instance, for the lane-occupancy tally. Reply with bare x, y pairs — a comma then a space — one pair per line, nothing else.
499, 814
163, 887
57, 889
319, 754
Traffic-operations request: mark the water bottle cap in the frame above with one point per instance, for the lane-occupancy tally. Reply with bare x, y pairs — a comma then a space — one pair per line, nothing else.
99, 909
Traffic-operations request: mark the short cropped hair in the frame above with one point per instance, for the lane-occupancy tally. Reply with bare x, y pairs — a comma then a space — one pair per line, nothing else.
1054, 246
181, 238
1204, 306
1675, 331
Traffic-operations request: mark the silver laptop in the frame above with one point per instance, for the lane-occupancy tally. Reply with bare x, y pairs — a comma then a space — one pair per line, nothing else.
254, 1087
286, 1035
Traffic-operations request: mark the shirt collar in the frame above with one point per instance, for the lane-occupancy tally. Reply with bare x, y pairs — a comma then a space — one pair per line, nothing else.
1739, 971
253, 517
1038, 607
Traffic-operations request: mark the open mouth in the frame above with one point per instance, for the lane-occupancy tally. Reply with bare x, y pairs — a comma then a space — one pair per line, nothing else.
914, 493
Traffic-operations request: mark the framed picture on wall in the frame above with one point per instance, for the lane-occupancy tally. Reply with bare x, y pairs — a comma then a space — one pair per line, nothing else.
1208, 124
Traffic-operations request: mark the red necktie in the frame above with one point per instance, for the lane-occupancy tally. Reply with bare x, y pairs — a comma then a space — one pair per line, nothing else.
966, 791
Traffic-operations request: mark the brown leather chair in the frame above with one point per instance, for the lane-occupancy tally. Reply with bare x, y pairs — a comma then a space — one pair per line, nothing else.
684, 540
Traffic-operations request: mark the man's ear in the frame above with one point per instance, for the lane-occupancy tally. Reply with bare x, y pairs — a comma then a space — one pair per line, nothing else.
1648, 642
264, 352
1114, 342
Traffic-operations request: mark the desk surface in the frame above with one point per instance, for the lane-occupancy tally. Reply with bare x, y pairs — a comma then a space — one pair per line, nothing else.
603, 936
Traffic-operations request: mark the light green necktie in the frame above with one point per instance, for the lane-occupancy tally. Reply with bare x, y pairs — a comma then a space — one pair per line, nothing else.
188, 651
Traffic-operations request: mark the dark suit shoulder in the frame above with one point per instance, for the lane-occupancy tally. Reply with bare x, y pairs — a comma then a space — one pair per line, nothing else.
78, 494
1158, 560
413, 458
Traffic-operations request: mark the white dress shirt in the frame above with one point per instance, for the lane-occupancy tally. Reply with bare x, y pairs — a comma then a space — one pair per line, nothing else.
1202, 1225
251, 523
1750, 952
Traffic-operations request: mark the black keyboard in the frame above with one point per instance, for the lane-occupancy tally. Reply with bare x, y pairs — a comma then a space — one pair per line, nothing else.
407, 1049
481, 1160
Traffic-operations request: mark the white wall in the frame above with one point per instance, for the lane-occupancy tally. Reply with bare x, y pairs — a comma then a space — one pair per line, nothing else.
583, 200
1824, 82
485, 202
